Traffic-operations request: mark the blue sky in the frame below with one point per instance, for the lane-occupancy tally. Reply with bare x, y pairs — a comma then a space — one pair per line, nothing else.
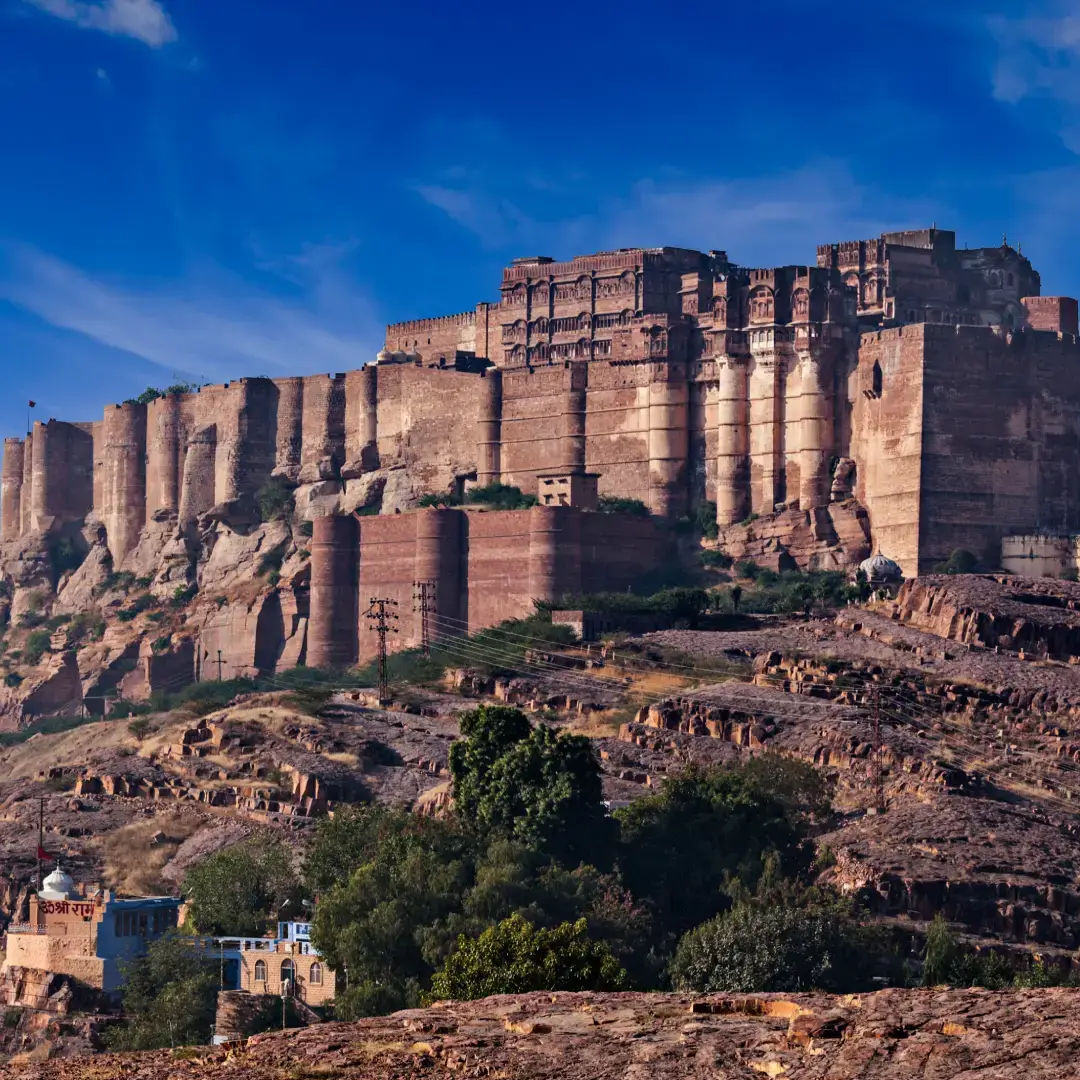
203, 189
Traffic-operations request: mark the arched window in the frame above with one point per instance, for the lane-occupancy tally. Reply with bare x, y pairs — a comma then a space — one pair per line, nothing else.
260, 971
315, 975
877, 379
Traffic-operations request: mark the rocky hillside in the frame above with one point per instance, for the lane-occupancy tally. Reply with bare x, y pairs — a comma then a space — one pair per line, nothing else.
890, 1035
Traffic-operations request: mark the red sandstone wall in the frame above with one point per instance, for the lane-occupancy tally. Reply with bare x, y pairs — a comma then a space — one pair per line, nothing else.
1001, 439
887, 439
617, 428
495, 563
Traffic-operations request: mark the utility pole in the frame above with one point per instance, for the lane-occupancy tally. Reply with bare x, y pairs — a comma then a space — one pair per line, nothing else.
40, 838
879, 772
424, 602
380, 620
220, 663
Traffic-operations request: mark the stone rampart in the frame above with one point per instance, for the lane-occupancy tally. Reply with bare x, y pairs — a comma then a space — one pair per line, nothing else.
486, 566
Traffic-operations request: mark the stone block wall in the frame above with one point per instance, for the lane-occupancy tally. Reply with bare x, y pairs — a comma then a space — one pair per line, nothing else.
487, 566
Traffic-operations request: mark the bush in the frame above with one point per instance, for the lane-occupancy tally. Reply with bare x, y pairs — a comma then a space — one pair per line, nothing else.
307, 528
715, 558
532, 784
169, 995
616, 504
37, 645
183, 595
959, 562
65, 554
758, 949
140, 728
12, 679
747, 568
275, 499
705, 519
515, 957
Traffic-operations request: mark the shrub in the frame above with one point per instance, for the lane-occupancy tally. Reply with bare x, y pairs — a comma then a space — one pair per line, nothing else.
270, 563
306, 528
162, 643
12, 679
759, 949
705, 519
515, 957
747, 568
959, 562
616, 504
65, 554
183, 595
275, 500
140, 727
37, 645
715, 558
169, 995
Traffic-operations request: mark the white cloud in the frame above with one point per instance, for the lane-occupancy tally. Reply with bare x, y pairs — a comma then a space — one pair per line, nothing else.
145, 20
217, 328
1038, 58
759, 221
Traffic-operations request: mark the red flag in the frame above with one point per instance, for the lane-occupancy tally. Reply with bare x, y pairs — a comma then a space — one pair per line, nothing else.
43, 854
33, 404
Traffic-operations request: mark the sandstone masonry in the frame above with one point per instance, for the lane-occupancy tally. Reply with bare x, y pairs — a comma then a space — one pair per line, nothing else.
937, 382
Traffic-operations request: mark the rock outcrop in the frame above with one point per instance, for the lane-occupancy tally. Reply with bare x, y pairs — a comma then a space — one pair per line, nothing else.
888, 1035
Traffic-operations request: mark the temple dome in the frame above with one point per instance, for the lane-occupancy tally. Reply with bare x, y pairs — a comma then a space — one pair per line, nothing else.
383, 356
57, 886
880, 568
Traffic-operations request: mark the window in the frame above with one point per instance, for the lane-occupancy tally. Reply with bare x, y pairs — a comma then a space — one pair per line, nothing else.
288, 975
877, 377
119, 925
142, 924
315, 975
260, 971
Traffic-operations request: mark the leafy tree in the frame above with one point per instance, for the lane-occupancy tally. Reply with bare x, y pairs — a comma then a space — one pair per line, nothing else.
537, 786
755, 948
959, 562
411, 872
941, 954
681, 848
240, 889
170, 994
515, 957
681, 605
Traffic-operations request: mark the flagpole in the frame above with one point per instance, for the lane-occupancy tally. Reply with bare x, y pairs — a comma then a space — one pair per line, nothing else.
41, 837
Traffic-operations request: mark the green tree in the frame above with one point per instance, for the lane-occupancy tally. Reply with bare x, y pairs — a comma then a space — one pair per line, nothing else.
169, 994
240, 889
681, 605
371, 926
942, 951
679, 849
533, 784
959, 562
755, 948
514, 957
705, 518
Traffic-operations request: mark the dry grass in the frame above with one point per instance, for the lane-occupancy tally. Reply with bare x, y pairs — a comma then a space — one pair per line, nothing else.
132, 864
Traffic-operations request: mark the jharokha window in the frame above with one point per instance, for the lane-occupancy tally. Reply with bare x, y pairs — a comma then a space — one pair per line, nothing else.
260, 971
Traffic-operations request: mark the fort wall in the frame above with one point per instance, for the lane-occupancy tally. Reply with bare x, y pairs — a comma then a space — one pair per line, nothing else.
675, 376
1001, 439
489, 566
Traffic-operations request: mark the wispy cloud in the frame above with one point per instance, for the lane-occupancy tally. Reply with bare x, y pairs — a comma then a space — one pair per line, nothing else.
1038, 58
218, 328
145, 20
759, 220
